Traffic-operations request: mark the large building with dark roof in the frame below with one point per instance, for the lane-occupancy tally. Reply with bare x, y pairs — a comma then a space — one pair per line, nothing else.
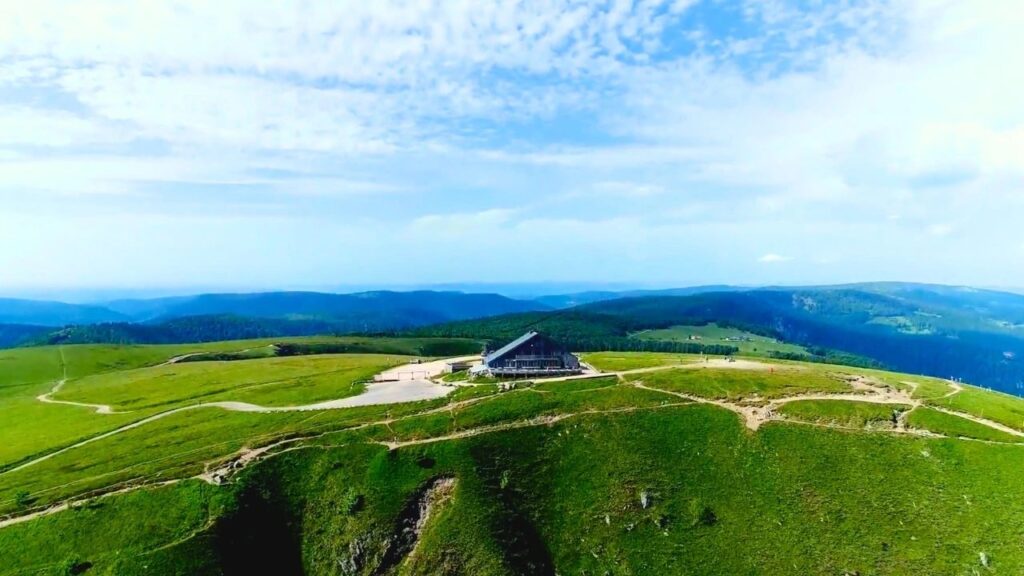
531, 355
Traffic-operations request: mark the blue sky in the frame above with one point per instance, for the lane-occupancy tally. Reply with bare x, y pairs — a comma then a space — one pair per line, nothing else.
267, 145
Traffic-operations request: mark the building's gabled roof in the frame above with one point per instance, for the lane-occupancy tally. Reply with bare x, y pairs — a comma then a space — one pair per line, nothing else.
510, 347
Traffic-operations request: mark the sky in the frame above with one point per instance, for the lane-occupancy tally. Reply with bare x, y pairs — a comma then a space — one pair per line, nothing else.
260, 145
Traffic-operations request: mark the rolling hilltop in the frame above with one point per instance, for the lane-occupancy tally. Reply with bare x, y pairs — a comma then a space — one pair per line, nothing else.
385, 307
974, 335
256, 457
212, 317
44, 313
971, 334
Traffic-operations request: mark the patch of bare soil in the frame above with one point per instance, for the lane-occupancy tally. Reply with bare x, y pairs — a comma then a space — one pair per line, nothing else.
411, 522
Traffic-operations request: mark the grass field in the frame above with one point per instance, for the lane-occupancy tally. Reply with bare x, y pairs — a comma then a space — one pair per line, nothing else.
843, 413
33, 428
269, 381
749, 344
1003, 408
789, 500
956, 427
618, 361
141, 525
724, 383
578, 385
587, 476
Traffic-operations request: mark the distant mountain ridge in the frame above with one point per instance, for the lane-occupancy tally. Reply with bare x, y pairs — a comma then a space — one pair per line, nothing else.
187, 329
944, 331
50, 313
979, 338
583, 298
419, 307
963, 332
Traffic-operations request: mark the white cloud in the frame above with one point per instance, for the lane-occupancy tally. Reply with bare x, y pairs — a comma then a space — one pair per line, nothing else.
771, 258
890, 121
460, 223
388, 42
23, 125
628, 189
354, 78
859, 126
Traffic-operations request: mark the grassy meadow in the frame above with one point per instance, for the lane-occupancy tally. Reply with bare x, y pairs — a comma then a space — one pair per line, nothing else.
131, 378
615, 474
270, 381
843, 413
621, 361
735, 384
956, 427
749, 344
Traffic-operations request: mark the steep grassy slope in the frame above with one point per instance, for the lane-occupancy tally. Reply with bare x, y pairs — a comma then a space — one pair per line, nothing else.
674, 491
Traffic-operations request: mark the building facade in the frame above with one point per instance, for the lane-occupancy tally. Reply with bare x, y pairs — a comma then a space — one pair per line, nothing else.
530, 355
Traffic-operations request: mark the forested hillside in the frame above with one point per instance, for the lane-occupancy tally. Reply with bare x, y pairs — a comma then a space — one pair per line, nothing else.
365, 310
579, 330
19, 334
902, 334
45, 313
974, 335
381, 307
213, 317
190, 329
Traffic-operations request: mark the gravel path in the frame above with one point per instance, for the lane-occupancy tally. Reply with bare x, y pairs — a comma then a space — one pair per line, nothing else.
407, 383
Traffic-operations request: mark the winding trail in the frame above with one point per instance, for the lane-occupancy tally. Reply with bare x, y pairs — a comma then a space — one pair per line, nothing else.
246, 456
865, 390
48, 397
182, 357
389, 391
413, 382
955, 388
72, 503
978, 420
543, 420
405, 384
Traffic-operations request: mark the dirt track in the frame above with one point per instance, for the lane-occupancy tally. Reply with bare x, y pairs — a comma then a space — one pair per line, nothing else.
48, 397
400, 389
397, 389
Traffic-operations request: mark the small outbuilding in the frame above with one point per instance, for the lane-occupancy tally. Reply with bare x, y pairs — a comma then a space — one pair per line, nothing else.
457, 366
531, 355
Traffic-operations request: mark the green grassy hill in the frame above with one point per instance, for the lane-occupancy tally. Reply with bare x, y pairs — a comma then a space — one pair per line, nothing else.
746, 343
669, 464
974, 335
